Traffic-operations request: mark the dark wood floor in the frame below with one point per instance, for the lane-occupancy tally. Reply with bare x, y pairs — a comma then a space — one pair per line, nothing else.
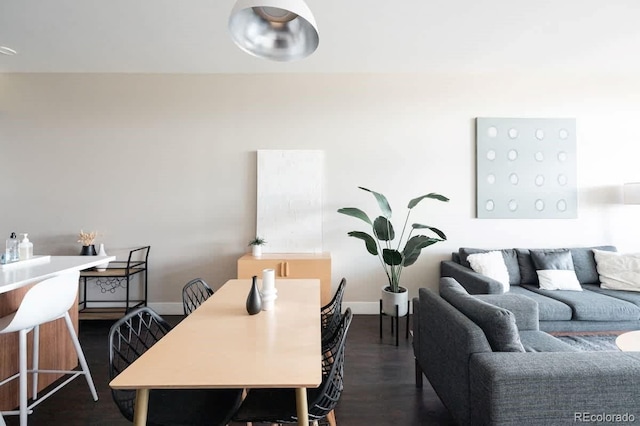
379, 384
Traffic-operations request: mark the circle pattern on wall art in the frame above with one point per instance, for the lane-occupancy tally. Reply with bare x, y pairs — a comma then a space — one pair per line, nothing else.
563, 134
562, 180
525, 166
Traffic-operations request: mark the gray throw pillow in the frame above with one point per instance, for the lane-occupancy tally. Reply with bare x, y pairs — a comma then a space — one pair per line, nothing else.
543, 259
583, 262
498, 325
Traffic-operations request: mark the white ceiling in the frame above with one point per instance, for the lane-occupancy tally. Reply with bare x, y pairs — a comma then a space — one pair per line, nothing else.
190, 36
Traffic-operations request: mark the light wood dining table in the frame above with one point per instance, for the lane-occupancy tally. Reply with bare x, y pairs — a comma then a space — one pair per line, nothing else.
219, 345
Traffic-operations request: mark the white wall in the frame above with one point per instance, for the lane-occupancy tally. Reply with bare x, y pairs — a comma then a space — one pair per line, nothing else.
169, 160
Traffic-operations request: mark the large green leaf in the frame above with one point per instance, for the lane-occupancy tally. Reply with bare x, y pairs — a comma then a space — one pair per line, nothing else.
392, 257
414, 247
431, 195
355, 212
382, 202
383, 229
436, 230
372, 247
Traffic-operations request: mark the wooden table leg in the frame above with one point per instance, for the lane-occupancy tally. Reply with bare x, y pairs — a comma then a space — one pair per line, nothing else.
142, 405
301, 407
331, 418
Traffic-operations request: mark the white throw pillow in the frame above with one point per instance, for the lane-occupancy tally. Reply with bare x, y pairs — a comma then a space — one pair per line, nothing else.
491, 264
558, 279
618, 271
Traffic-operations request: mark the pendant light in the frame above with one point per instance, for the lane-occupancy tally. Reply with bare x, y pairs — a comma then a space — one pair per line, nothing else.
279, 30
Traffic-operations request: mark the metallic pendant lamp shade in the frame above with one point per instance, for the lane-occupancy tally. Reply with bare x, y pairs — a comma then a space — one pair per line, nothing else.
280, 30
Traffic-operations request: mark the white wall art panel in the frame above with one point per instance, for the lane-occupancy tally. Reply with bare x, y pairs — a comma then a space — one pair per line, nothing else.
289, 204
526, 168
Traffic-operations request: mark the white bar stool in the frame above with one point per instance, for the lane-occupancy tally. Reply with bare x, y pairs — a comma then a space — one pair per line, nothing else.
46, 301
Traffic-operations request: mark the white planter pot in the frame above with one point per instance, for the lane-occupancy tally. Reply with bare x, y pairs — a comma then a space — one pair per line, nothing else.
390, 300
256, 251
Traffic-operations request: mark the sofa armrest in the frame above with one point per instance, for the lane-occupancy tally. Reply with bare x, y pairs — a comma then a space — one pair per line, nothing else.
524, 308
416, 326
553, 387
472, 281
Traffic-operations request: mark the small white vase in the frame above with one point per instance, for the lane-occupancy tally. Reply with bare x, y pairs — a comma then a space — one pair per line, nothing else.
268, 292
103, 266
256, 250
390, 300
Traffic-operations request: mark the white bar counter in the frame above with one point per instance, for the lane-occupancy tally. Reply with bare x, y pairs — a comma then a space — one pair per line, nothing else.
21, 275
56, 349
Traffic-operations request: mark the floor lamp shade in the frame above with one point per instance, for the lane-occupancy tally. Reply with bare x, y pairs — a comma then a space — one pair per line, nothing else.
279, 30
632, 193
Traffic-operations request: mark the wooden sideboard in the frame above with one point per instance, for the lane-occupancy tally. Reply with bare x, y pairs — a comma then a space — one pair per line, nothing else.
291, 265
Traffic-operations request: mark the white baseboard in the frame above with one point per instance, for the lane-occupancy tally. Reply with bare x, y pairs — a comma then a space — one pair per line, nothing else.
358, 308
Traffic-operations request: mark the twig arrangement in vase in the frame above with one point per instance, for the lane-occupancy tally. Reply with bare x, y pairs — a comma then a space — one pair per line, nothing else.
87, 240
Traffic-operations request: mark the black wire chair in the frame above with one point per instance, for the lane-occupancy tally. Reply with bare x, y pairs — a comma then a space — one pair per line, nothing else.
331, 313
279, 405
133, 335
194, 293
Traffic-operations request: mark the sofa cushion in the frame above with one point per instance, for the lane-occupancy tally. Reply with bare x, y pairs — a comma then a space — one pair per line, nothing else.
627, 296
498, 325
510, 260
558, 279
548, 309
491, 264
555, 270
524, 309
539, 341
591, 306
583, 263
556, 259
528, 273
618, 271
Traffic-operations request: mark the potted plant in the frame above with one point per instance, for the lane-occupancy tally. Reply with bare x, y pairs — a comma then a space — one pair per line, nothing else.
392, 253
256, 246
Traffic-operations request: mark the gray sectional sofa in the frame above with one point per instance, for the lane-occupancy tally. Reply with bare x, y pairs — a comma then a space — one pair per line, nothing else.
594, 309
491, 365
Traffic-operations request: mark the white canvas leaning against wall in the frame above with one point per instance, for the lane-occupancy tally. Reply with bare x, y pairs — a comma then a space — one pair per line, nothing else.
526, 168
289, 205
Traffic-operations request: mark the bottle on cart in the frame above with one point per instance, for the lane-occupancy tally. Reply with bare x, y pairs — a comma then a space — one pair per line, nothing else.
25, 248
11, 253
